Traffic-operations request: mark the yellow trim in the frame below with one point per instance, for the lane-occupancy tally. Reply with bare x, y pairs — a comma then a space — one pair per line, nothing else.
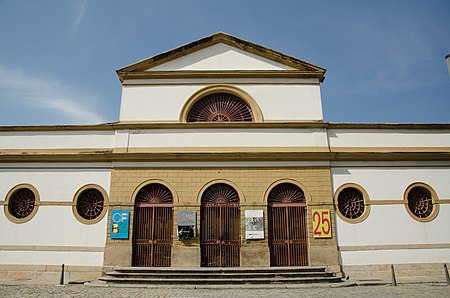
434, 200
132, 125
235, 74
225, 149
385, 202
247, 98
182, 83
224, 181
366, 201
56, 203
75, 202
11, 193
182, 149
153, 181
252, 154
286, 180
406, 149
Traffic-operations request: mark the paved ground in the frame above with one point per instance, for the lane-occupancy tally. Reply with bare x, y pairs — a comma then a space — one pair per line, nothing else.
24, 290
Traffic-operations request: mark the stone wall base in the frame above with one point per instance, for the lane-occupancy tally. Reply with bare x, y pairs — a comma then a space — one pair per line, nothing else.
421, 272
49, 274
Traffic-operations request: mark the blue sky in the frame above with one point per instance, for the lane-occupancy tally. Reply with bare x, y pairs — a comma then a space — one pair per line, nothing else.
384, 59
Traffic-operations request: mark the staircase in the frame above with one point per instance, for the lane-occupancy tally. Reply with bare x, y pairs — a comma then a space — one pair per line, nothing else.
220, 275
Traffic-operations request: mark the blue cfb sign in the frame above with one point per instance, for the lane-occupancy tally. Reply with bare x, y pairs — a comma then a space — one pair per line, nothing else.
119, 224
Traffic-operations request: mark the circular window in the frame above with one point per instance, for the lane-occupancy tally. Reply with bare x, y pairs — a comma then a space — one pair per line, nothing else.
220, 107
21, 203
350, 202
89, 204
420, 202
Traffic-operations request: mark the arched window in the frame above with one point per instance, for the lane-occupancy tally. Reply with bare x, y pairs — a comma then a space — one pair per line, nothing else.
220, 107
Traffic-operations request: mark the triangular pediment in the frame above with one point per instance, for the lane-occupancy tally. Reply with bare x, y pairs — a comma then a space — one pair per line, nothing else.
220, 57
220, 52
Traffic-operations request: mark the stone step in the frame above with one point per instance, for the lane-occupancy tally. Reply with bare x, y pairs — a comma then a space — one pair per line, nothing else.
214, 270
129, 280
220, 275
208, 275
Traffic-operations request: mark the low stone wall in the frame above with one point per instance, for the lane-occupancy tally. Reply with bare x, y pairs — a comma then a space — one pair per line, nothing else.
50, 274
422, 272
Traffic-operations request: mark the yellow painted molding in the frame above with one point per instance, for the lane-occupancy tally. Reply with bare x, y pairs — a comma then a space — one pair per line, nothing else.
210, 74
390, 149
56, 203
249, 154
131, 125
226, 149
248, 82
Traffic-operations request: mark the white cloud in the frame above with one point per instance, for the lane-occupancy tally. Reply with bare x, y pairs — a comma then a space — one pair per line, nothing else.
46, 93
80, 9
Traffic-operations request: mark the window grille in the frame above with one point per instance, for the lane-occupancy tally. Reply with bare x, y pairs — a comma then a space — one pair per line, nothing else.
220, 107
351, 203
21, 203
90, 204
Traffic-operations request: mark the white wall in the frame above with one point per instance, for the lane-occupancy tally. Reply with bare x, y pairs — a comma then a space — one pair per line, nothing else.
277, 102
56, 139
388, 138
53, 226
392, 224
181, 138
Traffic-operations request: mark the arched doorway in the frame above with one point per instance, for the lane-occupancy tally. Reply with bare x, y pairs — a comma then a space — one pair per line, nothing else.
288, 233
152, 229
220, 226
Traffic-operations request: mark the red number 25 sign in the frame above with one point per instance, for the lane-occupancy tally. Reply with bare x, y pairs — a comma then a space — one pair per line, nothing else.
321, 223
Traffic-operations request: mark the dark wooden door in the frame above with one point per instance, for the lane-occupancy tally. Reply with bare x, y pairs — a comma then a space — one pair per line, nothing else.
152, 229
288, 234
220, 227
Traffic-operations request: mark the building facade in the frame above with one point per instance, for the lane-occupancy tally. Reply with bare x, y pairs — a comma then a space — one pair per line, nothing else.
221, 157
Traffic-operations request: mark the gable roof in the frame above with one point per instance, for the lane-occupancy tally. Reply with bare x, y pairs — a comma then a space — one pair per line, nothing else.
301, 68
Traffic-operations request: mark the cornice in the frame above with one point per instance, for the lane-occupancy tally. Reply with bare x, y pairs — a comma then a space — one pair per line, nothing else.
139, 125
234, 74
252, 154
